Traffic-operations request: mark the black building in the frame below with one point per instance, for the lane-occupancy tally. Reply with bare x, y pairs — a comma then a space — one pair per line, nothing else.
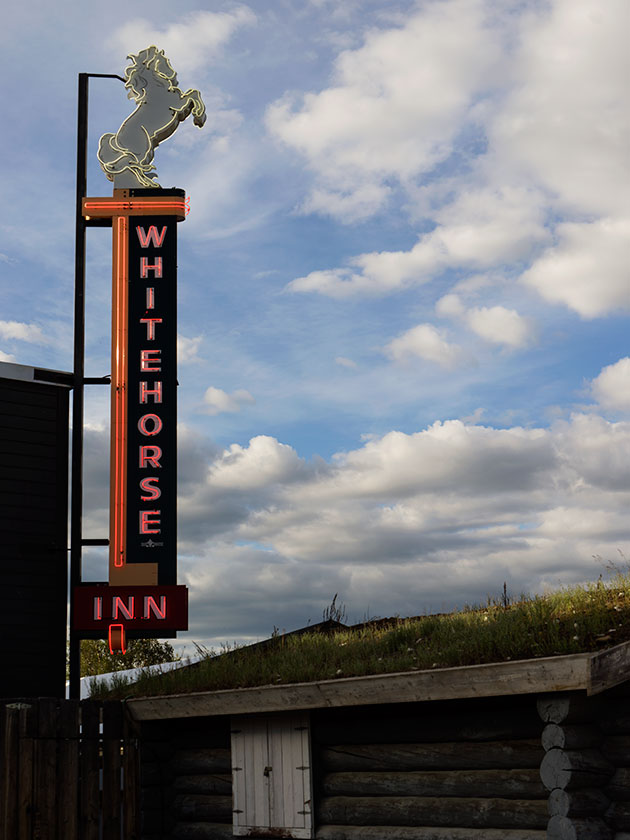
33, 530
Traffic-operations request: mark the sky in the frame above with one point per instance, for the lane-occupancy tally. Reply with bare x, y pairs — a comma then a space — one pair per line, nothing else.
403, 291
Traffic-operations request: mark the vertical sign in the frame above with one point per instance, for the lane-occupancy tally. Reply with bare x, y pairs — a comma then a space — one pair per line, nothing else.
143, 475
151, 396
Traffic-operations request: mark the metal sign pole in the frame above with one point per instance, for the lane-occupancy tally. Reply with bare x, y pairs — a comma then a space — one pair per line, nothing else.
76, 479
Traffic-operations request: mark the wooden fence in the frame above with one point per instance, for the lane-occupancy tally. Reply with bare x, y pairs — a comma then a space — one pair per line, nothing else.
68, 771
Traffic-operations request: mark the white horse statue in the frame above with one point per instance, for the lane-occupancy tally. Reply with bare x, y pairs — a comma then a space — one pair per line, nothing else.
127, 156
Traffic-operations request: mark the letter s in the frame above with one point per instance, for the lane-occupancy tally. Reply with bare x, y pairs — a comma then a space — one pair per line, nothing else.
148, 487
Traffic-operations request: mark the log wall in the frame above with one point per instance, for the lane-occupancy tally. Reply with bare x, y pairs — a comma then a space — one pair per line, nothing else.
186, 780
510, 768
432, 771
586, 767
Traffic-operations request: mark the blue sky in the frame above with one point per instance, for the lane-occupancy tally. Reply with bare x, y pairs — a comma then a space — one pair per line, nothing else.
403, 290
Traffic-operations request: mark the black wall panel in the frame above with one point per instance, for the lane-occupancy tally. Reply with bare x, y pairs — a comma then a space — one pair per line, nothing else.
33, 538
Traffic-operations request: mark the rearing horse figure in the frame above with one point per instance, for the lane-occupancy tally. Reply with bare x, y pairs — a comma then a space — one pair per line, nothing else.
127, 156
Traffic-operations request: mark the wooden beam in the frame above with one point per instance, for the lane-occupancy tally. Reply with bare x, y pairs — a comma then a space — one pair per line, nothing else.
553, 673
505, 784
454, 755
405, 832
416, 810
609, 668
591, 672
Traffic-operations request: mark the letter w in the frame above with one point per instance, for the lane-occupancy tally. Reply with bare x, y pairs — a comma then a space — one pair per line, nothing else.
152, 237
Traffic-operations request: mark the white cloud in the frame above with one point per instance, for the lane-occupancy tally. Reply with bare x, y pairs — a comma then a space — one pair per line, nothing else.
495, 324
393, 108
444, 456
217, 401
481, 228
191, 43
450, 306
597, 452
263, 463
424, 342
344, 362
566, 119
499, 325
188, 349
6, 357
468, 503
588, 269
611, 388
20, 331
554, 170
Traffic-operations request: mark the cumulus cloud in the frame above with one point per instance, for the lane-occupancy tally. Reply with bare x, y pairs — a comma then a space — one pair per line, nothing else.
587, 269
217, 401
188, 349
495, 324
424, 342
267, 537
393, 107
345, 362
611, 388
385, 524
499, 325
450, 306
6, 357
264, 462
551, 172
565, 120
482, 228
17, 330
191, 43
597, 454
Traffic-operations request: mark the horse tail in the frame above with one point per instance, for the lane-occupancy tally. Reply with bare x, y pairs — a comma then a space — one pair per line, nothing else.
111, 157
115, 160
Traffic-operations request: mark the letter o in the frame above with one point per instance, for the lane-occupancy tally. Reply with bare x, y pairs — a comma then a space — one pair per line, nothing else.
157, 424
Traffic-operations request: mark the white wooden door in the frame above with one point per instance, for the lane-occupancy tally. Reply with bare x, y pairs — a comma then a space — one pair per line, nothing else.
271, 773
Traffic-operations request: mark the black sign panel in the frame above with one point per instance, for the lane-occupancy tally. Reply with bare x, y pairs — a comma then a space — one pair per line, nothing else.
152, 397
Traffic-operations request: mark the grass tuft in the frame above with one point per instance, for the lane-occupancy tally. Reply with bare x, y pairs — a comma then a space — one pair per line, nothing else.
572, 620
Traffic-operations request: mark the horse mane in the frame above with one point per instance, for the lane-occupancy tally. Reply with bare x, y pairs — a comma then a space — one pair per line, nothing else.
153, 60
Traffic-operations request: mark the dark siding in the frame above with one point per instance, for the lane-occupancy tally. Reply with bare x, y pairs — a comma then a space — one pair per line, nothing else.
33, 537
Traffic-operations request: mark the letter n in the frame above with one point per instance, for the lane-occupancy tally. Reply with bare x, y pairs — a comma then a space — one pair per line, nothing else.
150, 606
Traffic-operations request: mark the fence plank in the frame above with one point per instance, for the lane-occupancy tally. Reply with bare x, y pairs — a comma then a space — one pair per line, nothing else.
10, 766
52, 755
45, 758
131, 780
3, 767
89, 767
112, 765
68, 769
26, 769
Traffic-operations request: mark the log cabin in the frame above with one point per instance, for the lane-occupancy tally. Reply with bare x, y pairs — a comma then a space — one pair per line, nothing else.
522, 750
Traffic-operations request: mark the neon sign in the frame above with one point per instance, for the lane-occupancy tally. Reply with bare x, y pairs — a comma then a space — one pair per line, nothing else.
133, 607
143, 461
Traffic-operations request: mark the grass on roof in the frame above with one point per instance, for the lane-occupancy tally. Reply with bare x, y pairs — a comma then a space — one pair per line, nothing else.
572, 620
